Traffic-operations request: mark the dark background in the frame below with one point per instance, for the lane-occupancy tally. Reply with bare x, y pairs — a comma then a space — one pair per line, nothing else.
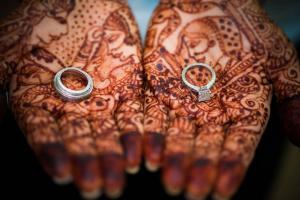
274, 173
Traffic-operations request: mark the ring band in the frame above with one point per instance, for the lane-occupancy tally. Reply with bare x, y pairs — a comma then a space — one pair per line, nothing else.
69, 94
204, 92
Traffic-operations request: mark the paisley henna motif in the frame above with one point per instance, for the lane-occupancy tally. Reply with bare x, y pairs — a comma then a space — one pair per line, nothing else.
79, 138
215, 139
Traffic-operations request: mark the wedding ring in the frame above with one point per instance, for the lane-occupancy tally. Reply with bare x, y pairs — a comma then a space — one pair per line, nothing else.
69, 94
204, 93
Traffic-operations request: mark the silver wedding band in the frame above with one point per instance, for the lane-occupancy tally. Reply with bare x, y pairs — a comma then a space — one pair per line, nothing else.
204, 93
69, 94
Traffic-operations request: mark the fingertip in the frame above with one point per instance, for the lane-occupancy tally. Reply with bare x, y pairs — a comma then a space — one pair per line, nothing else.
56, 162
86, 173
174, 171
173, 191
290, 117
114, 194
132, 144
201, 178
113, 174
133, 170
217, 197
63, 180
91, 194
151, 166
153, 149
230, 175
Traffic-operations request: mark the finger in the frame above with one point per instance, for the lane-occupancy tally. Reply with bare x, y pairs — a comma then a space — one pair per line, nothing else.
284, 73
107, 139
179, 143
236, 155
203, 170
129, 117
81, 148
155, 124
290, 109
44, 136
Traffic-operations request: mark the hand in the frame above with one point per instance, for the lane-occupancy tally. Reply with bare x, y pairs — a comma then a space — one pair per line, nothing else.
81, 139
206, 147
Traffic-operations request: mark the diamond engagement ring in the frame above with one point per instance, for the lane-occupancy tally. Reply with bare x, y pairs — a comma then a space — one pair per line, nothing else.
204, 93
69, 94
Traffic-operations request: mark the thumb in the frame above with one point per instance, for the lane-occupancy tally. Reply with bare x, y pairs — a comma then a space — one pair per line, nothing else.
290, 117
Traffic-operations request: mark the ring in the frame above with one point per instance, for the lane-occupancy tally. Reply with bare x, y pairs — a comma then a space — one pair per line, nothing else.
204, 93
73, 95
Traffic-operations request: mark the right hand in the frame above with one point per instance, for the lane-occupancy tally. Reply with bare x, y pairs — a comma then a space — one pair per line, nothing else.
206, 147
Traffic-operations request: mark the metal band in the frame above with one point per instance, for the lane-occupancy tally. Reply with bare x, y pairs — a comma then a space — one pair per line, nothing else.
69, 94
203, 91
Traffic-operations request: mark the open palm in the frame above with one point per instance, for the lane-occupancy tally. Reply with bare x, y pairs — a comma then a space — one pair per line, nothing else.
81, 139
207, 146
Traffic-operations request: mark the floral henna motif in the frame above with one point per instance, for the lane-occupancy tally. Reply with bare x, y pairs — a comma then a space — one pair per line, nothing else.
80, 139
250, 55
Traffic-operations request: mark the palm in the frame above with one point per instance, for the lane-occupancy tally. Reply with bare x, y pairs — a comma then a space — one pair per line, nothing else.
218, 136
82, 139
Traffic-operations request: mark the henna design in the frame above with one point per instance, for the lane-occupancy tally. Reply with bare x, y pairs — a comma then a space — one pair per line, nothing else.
251, 56
100, 37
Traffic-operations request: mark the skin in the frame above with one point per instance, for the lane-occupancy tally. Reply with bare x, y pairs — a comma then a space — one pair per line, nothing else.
206, 147
203, 147
92, 141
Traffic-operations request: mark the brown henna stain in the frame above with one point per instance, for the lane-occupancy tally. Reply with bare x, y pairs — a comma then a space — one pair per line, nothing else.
86, 172
249, 54
100, 37
132, 144
202, 174
231, 173
54, 159
113, 171
289, 112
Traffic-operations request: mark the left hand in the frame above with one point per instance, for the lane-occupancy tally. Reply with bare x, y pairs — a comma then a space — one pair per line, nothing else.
207, 146
92, 140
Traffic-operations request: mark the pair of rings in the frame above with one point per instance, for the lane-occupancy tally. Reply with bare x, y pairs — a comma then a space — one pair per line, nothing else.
204, 93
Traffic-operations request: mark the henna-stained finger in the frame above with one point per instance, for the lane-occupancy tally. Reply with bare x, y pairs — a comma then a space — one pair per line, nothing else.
203, 172
129, 117
237, 153
177, 156
155, 124
80, 144
110, 153
43, 134
113, 173
286, 82
289, 114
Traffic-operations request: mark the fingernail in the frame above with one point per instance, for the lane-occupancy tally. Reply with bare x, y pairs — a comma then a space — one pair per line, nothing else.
86, 172
132, 170
55, 160
217, 197
91, 195
174, 173
230, 175
63, 180
201, 178
113, 174
151, 167
114, 194
132, 145
154, 147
